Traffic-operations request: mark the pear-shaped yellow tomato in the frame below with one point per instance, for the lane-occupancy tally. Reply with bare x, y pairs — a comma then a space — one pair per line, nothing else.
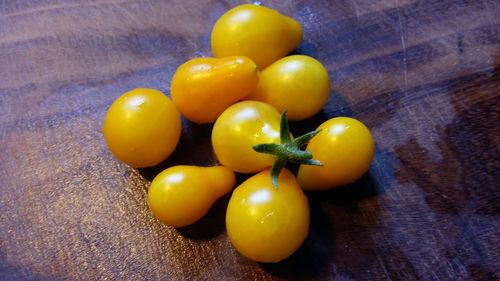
142, 127
238, 129
345, 147
260, 33
181, 195
203, 88
298, 83
266, 224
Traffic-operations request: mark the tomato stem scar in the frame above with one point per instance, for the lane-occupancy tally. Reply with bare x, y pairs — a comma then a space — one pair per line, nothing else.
289, 150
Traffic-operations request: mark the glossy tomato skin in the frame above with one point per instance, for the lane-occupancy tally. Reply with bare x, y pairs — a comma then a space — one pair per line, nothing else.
142, 127
266, 224
345, 147
181, 195
298, 83
258, 32
202, 88
238, 129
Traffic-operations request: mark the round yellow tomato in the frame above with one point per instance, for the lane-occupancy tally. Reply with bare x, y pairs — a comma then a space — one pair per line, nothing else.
298, 83
181, 195
203, 88
266, 224
142, 127
239, 128
345, 147
258, 32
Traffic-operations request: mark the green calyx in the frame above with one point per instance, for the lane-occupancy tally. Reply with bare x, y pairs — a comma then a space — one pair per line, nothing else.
289, 150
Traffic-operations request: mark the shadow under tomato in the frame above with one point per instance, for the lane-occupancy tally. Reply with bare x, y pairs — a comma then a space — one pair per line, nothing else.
194, 148
336, 105
306, 48
314, 256
214, 221
317, 255
211, 225
350, 194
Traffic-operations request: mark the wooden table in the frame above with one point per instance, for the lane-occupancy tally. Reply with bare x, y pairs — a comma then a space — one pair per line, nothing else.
422, 75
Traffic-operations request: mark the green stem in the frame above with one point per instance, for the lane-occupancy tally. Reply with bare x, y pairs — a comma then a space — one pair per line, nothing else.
289, 150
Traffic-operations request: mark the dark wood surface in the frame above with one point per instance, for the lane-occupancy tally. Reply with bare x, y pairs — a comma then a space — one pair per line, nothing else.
423, 75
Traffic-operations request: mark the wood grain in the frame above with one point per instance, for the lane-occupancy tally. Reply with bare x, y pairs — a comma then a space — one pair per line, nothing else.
423, 75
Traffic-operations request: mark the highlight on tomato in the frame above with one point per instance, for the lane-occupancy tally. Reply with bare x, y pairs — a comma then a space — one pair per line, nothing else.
181, 195
266, 224
238, 129
202, 88
142, 127
345, 147
260, 33
250, 136
298, 83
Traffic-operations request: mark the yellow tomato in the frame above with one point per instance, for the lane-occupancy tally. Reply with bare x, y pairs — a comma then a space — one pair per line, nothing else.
239, 128
345, 147
142, 127
298, 83
203, 88
181, 195
266, 224
258, 32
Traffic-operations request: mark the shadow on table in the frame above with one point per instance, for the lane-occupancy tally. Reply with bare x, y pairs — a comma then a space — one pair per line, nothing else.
211, 225
214, 222
316, 255
194, 148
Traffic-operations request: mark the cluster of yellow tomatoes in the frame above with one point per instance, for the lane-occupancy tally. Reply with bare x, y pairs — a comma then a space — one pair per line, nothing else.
242, 90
